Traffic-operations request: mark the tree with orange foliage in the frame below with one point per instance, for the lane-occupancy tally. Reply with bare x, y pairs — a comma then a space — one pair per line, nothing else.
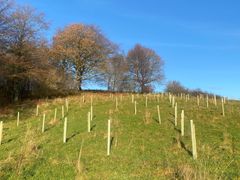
79, 49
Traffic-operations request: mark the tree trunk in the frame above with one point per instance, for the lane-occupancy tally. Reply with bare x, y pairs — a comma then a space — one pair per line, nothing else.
15, 91
80, 84
79, 79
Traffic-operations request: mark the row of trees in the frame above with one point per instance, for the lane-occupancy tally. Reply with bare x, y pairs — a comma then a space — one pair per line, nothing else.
31, 66
175, 87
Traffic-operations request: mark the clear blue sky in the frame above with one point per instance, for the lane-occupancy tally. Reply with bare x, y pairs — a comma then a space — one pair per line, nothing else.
198, 40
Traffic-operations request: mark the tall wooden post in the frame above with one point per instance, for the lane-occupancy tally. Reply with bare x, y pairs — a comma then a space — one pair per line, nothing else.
223, 110
182, 123
18, 118
194, 145
1, 132
159, 115
109, 138
43, 123
89, 121
176, 114
65, 131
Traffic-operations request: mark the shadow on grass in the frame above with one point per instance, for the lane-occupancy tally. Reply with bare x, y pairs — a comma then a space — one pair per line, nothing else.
72, 136
93, 127
48, 128
185, 148
111, 142
8, 140
178, 130
156, 120
171, 121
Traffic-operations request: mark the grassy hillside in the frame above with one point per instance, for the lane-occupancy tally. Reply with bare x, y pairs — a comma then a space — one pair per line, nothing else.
141, 148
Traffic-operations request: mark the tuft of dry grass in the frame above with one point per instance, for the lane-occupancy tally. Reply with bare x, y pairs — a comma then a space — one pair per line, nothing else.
29, 149
80, 175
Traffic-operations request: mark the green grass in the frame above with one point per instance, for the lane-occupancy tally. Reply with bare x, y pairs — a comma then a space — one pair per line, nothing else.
140, 149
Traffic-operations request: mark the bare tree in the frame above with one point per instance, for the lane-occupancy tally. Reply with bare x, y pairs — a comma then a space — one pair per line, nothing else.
113, 72
175, 87
5, 10
145, 67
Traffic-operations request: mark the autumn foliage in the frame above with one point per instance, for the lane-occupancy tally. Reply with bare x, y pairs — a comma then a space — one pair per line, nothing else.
79, 53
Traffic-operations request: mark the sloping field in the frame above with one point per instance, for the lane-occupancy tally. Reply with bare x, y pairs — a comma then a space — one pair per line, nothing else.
140, 147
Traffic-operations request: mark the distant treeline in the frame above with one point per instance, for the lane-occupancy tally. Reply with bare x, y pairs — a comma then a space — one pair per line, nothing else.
32, 67
177, 88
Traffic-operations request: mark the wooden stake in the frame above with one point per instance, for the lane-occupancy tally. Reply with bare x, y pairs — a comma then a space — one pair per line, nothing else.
1, 132
116, 103
89, 121
63, 112
182, 123
215, 100
109, 138
55, 115
135, 108
198, 101
173, 101
43, 123
132, 98
146, 101
65, 131
176, 114
223, 110
207, 102
83, 99
159, 115
66, 102
193, 135
37, 109
18, 117
91, 110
